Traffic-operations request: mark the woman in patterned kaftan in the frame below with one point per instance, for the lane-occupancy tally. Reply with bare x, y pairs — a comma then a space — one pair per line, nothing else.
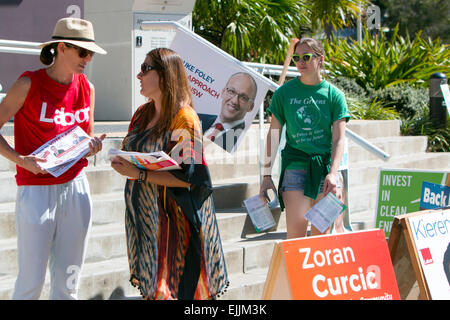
173, 241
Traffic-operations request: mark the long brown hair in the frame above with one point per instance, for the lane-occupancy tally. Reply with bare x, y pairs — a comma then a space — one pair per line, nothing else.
174, 86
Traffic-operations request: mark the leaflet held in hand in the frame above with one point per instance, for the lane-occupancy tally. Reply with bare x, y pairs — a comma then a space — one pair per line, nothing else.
63, 151
259, 213
153, 161
323, 213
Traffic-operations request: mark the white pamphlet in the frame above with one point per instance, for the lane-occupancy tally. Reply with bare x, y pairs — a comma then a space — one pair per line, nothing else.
153, 161
259, 213
323, 213
63, 151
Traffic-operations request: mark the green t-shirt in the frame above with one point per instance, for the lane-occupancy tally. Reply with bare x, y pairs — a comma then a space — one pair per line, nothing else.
308, 113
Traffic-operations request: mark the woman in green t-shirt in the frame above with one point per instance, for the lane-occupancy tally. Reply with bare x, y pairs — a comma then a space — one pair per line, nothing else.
315, 114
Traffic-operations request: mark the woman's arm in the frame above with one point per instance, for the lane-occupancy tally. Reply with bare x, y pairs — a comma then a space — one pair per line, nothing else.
9, 106
163, 178
96, 144
272, 143
337, 150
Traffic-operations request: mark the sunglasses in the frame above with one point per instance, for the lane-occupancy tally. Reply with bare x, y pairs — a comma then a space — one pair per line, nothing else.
304, 57
82, 52
146, 68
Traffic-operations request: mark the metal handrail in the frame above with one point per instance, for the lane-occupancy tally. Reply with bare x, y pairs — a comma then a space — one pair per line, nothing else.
15, 43
2, 95
272, 69
20, 47
264, 66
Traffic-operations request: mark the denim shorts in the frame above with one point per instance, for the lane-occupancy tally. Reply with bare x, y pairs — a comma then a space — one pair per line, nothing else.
295, 180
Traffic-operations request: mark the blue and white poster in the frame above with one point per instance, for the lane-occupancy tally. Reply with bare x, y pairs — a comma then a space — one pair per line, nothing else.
227, 94
434, 196
431, 235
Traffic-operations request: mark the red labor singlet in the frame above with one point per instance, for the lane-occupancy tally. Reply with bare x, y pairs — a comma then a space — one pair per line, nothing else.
50, 108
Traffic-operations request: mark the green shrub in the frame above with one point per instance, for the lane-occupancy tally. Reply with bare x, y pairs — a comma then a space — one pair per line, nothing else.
361, 104
404, 98
380, 62
364, 109
349, 86
407, 100
421, 125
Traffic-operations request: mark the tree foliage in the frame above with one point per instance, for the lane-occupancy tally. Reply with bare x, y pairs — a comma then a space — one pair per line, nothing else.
431, 17
332, 15
379, 62
261, 30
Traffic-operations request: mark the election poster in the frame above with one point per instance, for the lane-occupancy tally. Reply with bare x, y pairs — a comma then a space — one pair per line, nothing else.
434, 196
400, 192
346, 266
227, 94
431, 235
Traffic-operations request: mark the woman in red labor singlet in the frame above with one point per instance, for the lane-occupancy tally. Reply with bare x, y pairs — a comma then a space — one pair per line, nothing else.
53, 214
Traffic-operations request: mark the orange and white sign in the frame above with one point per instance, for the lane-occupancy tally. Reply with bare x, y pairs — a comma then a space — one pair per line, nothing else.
353, 265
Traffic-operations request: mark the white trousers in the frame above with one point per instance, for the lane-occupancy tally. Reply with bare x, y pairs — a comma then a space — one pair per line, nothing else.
52, 224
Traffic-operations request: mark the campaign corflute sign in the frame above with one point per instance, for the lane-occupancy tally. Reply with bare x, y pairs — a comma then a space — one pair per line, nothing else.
354, 265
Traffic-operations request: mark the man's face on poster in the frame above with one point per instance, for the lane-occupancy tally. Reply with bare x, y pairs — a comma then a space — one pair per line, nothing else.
237, 98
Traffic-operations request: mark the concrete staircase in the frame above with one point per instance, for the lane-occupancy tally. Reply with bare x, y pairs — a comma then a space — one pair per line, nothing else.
405, 152
105, 273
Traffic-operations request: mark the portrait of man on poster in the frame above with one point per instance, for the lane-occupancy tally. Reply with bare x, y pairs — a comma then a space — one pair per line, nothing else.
238, 97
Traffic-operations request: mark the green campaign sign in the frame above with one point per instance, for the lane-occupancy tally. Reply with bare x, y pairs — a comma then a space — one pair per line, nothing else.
399, 192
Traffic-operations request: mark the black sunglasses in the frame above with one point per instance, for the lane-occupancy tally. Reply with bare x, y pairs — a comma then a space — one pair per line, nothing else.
82, 52
146, 68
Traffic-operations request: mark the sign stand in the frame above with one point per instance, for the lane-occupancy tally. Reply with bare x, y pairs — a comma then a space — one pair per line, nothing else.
278, 288
353, 265
405, 259
426, 225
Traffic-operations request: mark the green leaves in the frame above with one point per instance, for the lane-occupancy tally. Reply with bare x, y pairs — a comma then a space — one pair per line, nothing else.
364, 109
380, 62
334, 14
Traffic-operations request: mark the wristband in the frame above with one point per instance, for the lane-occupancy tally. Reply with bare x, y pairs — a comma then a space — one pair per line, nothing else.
141, 174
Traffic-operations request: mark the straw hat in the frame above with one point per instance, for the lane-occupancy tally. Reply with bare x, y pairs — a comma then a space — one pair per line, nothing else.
76, 31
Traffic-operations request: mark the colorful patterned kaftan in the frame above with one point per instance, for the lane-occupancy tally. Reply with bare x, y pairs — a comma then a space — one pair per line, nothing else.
173, 241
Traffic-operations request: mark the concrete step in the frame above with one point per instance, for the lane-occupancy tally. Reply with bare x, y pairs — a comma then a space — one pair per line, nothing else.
366, 172
363, 220
107, 208
101, 278
243, 286
108, 241
230, 193
105, 242
110, 208
223, 165
375, 128
102, 179
394, 146
362, 198
246, 286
